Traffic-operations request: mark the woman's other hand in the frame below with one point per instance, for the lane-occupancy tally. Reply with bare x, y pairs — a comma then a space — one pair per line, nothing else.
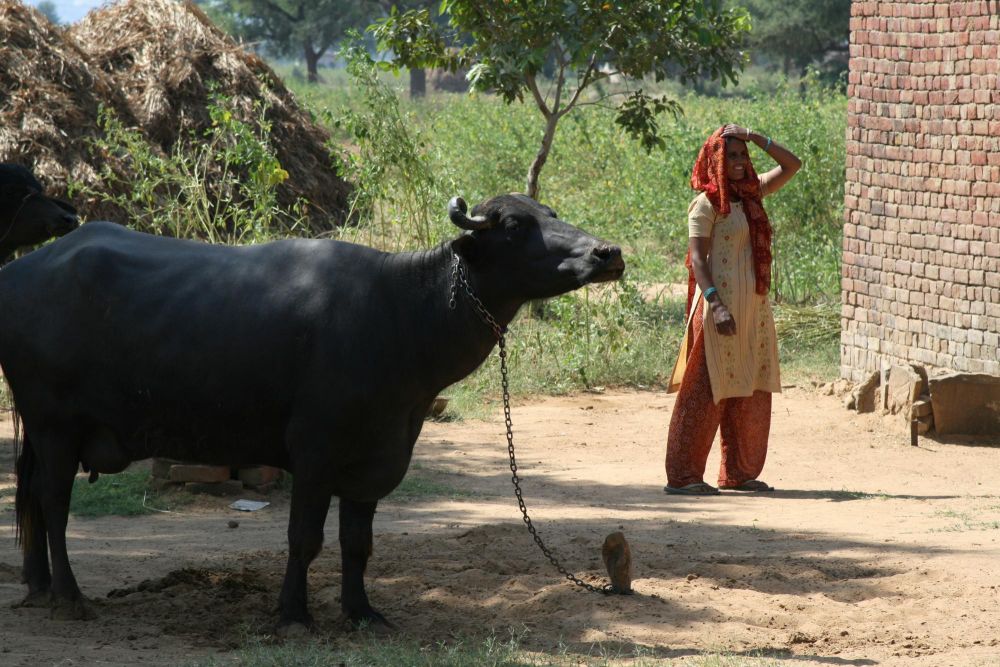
725, 325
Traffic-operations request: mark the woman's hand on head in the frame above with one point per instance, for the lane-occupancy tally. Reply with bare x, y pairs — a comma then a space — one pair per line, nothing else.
735, 131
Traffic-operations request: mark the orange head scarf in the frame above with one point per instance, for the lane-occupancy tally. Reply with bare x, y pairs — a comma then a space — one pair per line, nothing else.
709, 176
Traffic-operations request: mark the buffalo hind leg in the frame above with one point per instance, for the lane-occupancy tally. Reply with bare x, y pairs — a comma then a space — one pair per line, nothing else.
310, 506
58, 465
356, 547
35, 573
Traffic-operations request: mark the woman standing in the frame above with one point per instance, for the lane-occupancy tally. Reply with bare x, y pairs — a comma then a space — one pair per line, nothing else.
728, 365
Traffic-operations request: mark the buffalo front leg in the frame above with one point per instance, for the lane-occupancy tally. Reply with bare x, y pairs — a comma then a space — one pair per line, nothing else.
310, 506
356, 547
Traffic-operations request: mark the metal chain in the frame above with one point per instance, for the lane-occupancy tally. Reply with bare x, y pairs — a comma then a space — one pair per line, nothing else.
458, 277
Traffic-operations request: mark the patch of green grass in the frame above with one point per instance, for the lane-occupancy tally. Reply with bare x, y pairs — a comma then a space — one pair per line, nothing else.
965, 521
808, 341
363, 649
844, 494
124, 494
417, 485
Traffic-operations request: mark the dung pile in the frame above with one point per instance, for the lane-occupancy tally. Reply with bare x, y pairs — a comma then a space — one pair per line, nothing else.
49, 99
167, 58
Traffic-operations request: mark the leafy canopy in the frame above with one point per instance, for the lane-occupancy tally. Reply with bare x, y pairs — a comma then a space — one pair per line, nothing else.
507, 44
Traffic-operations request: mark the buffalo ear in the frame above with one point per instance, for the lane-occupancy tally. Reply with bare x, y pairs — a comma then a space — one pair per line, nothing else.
465, 246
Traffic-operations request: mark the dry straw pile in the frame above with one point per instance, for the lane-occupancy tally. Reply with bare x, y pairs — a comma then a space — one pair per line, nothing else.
49, 97
156, 63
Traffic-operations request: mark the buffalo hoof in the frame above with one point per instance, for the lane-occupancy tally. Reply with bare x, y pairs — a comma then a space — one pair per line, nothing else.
369, 620
71, 610
293, 630
34, 599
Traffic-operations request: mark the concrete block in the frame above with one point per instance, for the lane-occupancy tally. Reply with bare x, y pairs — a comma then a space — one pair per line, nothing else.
921, 408
966, 404
184, 472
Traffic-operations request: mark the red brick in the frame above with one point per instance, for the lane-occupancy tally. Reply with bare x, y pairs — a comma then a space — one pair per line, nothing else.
198, 473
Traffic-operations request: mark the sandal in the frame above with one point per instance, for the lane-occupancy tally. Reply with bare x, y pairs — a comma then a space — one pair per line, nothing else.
753, 485
696, 489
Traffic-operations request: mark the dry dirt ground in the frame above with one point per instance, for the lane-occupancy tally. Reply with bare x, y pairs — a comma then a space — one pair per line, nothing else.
870, 552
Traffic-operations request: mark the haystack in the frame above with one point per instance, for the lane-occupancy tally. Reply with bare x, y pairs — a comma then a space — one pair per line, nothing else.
49, 99
168, 57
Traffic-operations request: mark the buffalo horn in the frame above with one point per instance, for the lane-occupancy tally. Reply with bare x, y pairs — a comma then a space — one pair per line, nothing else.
456, 212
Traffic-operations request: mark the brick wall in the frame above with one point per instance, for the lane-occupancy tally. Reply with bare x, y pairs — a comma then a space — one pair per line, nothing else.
921, 265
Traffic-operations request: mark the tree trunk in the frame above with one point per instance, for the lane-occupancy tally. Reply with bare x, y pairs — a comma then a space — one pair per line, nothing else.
418, 82
542, 156
312, 59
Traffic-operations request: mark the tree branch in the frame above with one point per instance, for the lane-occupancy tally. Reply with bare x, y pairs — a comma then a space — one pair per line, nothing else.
281, 10
539, 101
581, 85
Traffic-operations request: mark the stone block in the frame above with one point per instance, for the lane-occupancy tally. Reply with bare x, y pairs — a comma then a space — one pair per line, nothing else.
966, 404
184, 472
161, 468
905, 385
259, 475
866, 394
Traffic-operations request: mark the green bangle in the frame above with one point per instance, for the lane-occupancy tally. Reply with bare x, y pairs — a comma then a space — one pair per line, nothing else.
709, 292
768, 144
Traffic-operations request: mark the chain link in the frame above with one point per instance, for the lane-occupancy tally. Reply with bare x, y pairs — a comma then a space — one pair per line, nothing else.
459, 278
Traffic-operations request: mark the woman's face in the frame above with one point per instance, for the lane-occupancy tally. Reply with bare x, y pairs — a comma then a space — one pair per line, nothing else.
737, 159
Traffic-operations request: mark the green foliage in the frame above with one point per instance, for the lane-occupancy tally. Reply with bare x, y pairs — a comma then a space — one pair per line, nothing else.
124, 494
394, 185
808, 340
507, 47
294, 27
219, 187
797, 32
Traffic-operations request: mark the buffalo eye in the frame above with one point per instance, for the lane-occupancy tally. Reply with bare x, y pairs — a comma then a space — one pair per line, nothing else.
512, 224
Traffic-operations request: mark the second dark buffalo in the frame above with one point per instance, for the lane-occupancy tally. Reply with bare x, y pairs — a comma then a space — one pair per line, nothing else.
317, 356
27, 215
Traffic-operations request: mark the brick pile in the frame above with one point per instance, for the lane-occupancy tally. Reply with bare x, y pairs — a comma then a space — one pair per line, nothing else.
921, 264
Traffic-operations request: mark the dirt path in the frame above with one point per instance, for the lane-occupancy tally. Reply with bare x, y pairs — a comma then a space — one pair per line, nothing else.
871, 552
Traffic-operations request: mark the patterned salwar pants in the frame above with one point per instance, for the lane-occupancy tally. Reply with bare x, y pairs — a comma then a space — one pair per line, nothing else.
745, 423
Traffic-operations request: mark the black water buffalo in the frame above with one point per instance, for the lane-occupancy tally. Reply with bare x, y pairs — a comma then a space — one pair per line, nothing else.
320, 357
27, 216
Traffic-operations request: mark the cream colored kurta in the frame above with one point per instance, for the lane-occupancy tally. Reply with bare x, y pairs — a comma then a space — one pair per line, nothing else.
747, 362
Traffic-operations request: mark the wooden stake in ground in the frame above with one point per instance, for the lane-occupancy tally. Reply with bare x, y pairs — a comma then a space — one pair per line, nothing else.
618, 559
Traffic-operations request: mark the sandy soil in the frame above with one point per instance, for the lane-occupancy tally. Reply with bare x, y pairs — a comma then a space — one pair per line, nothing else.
871, 552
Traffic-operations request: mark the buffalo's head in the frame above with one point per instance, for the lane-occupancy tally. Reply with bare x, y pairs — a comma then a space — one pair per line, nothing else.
27, 215
514, 241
